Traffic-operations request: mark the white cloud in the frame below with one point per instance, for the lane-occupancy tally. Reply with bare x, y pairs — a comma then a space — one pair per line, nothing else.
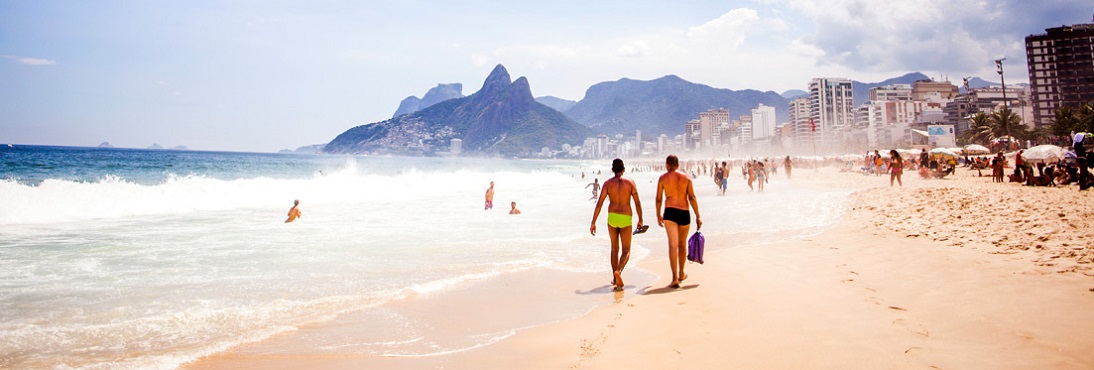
729, 30
29, 61
940, 35
633, 49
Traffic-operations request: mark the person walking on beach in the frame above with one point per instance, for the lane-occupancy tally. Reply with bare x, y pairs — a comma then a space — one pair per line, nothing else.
596, 187
676, 191
619, 192
761, 175
896, 168
789, 166
294, 212
490, 197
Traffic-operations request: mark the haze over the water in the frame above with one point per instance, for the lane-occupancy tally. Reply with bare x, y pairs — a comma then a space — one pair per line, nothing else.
261, 76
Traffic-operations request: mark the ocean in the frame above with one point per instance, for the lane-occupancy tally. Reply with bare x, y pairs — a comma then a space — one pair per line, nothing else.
124, 258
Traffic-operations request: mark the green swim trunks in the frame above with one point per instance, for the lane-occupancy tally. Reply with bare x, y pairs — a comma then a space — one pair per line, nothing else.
619, 221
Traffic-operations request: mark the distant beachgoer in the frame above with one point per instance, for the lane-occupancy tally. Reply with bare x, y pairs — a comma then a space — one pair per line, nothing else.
678, 193
596, 187
789, 166
751, 174
877, 163
513, 210
719, 178
294, 212
725, 177
761, 176
620, 192
490, 196
896, 168
924, 158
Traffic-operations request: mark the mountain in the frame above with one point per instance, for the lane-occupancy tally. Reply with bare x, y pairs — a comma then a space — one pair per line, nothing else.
861, 90
309, 149
794, 94
106, 144
663, 105
559, 104
502, 118
435, 95
155, 146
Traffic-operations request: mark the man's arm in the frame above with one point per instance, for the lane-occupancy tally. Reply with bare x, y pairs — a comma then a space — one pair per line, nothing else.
657, 201
596, 211
694, 205
637, 202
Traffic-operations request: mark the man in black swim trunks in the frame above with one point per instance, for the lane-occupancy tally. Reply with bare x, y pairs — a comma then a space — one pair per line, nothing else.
678, 193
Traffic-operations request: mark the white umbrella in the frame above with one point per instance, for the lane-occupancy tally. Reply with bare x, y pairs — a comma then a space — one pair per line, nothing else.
976, 149
942, 152
1044, 153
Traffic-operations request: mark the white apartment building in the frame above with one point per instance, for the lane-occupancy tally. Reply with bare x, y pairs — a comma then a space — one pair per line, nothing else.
832, 107
799, 118
763, 122
896, 92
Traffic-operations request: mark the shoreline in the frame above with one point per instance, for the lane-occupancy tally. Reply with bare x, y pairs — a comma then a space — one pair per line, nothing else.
865, 291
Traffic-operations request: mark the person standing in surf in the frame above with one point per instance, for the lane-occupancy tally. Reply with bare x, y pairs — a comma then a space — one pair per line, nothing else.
677, 191
620, 192
294, 212
490, 197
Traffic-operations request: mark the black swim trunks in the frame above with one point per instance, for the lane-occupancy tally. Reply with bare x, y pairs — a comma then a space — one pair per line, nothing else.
681, 217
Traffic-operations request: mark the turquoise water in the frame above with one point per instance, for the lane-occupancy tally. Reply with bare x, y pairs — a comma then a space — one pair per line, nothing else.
115, 258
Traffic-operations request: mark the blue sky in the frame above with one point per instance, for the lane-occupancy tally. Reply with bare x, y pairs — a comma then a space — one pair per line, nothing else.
250, 75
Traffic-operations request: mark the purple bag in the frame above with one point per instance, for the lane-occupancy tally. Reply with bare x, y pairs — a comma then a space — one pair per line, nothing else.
695, 247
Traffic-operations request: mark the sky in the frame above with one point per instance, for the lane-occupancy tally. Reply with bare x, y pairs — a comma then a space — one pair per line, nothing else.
265, 75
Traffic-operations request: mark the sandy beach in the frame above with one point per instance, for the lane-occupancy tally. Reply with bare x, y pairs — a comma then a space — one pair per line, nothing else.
958, 273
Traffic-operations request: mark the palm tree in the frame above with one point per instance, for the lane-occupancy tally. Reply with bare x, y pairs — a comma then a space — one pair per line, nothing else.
1065, 122
1007, 123
1085, 118
980, 129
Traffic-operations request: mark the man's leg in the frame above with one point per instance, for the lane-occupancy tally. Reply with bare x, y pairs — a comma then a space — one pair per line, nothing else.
624, 256
682, 252
613, 234
672, 230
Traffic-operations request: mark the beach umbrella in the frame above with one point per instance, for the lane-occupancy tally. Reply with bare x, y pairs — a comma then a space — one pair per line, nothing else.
942, 152
1044, 153
976, 149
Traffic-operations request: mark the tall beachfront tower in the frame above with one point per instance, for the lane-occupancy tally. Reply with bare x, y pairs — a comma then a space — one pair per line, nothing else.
799, 117
708, 122
763, 122
1061, 70
832, 107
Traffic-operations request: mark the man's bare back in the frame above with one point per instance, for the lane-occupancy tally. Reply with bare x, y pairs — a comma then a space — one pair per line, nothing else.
676, 188
619, 189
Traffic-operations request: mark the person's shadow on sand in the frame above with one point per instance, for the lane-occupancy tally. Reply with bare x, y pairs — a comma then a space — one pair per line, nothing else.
664, 290
602, 290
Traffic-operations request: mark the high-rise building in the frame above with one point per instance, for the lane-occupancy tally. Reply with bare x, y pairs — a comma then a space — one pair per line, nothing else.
763, 122
708, 122
692, 136
832, 107
799, 118
1061, 70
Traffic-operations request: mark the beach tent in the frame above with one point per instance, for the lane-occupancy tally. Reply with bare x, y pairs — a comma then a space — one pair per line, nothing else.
973, 149
1044, 153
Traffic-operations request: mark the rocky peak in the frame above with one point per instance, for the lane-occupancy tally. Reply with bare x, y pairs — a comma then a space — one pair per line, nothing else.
497, 80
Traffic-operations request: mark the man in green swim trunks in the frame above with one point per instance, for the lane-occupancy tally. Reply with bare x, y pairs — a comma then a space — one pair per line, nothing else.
619, 192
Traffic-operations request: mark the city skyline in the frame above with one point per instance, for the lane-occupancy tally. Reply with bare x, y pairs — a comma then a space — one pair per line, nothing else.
264, 76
